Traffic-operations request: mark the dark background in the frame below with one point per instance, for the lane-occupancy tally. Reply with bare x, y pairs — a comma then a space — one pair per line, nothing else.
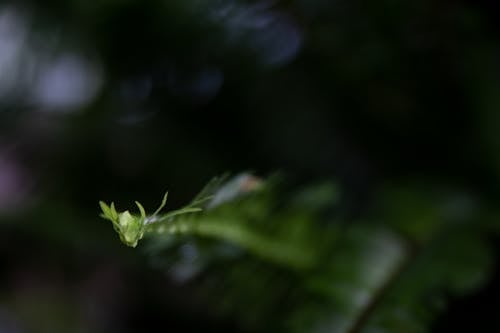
120, 100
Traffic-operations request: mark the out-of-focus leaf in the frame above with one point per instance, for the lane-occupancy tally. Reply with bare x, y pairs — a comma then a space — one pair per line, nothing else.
251, 252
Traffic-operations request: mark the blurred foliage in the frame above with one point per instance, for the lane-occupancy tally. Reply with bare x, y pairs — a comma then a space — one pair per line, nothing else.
394, 103
332, 276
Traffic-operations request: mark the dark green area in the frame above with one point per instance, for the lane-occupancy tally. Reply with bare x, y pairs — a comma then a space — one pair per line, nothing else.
382, 116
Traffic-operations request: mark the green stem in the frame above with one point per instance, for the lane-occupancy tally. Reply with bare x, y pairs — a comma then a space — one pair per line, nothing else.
267, 248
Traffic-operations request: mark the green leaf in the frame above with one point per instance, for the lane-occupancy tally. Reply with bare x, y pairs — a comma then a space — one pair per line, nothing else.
106, 211
163, 202
141, 209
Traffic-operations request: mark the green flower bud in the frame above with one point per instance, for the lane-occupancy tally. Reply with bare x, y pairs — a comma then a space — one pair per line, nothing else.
130, 228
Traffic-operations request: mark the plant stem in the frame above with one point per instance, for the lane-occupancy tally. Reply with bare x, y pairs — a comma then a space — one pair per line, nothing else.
275, 250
